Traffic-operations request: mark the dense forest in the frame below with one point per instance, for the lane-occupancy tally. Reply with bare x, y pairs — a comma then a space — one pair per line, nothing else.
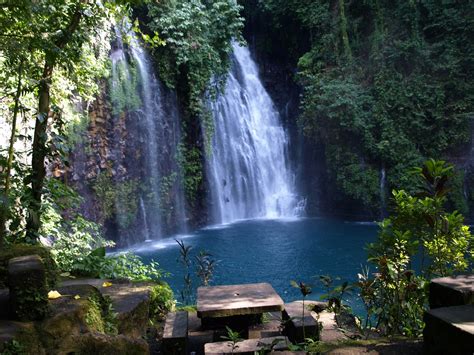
384, 85
125, 122
368, 90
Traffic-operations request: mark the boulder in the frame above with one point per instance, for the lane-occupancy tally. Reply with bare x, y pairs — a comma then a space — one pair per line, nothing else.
17, 250
19, 337
69, 318
449, 330
103, 344
28, 288
451, 291
131, 302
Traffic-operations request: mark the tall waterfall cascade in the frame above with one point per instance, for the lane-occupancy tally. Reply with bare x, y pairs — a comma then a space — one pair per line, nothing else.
249, 168
158, 131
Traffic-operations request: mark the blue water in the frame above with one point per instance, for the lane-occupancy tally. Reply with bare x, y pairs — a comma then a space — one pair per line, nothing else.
274, 251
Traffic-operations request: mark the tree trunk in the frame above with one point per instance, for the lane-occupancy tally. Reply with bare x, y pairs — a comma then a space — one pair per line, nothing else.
5, 207
38, 172
344, 34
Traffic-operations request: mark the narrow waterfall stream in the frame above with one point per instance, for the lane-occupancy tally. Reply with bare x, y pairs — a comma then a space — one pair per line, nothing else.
160, 206
249, 170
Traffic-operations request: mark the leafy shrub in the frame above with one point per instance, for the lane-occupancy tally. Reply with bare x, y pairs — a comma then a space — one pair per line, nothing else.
161, 301
420, 230
126, 265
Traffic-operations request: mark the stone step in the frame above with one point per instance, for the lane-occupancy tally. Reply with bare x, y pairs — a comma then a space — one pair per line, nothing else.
451, 291
449, 330
175, 333
293, 315
249, 346
330, 331
271, 326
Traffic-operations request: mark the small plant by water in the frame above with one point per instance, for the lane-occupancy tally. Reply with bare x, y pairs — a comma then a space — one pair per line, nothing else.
233, 337
204, 264
185, 260
305, 290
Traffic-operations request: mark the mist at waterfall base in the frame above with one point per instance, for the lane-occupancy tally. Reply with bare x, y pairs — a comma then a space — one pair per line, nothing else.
274, 251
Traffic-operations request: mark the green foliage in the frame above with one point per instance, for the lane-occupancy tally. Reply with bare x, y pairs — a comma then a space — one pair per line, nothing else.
123, 87
232, 336
419, 229
205, 267
385, 84
335, 294
100, 315
204, 264
191, 162
117, 199
161, 301
13, 347
30, 298
127, 265
195, 43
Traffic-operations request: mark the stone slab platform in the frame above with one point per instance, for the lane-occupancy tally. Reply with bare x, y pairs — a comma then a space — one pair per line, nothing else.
234, 300
452, 291
249, 346
449, 330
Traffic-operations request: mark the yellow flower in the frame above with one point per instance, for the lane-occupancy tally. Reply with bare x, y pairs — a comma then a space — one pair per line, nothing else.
52, 295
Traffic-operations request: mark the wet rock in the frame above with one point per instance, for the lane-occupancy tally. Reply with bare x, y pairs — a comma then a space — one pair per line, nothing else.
28, 288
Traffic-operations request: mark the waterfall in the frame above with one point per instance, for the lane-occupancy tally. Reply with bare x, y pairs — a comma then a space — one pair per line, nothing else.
249, 169
154, 136
383, 203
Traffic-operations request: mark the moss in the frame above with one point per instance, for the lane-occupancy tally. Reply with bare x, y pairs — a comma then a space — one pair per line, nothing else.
94, 343
17, 250
21, 338
94, 315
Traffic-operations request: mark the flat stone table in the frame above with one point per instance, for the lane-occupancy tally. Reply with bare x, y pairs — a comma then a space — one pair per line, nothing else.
237, 300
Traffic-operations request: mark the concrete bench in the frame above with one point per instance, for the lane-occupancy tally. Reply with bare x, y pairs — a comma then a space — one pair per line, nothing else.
452, 291
249, 346
175, 333
449, 330
293, 315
